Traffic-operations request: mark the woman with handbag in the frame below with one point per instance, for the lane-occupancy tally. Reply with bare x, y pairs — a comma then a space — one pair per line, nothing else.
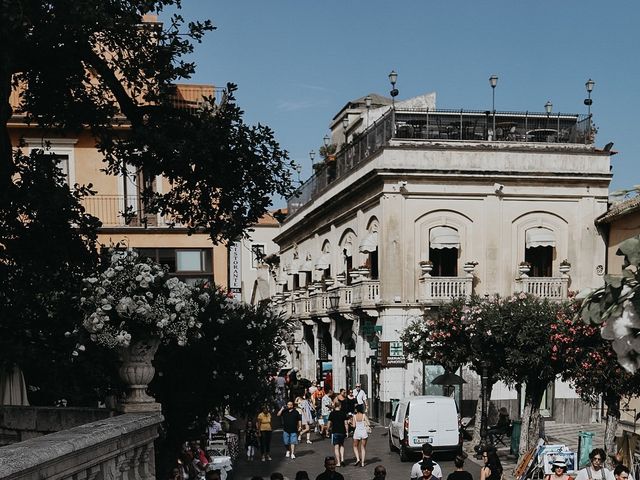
361, 431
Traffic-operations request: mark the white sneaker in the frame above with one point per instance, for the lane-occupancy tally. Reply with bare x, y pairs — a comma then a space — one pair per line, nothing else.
292, 456
288, 454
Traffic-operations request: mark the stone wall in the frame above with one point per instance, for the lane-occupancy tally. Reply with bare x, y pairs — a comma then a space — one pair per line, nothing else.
22, 423
114, 448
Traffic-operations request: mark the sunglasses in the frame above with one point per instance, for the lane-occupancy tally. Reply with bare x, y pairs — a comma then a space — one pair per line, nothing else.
596, 459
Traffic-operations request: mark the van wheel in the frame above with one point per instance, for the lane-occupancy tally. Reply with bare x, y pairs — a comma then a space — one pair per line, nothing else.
404, 454
392, 448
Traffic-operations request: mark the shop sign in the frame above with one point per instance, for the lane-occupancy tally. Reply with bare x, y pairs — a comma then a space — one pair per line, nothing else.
392, 354
235, 270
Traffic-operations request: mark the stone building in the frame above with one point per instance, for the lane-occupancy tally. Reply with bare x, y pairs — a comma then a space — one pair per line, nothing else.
420, 205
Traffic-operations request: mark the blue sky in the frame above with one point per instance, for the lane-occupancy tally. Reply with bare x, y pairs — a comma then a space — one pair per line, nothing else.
298, 62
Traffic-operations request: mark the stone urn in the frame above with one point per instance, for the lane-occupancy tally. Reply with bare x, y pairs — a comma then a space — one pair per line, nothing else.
354, 274
469, 267
524, 268
565, 268
426, 266
136, 372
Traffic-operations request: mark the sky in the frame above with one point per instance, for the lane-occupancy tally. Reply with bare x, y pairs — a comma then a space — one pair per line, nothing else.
298, 62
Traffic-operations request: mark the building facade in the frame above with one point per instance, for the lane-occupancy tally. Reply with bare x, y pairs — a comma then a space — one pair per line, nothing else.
421, 205
118, 202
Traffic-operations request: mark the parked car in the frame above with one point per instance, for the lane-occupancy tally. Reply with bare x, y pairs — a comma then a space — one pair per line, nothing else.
427, 419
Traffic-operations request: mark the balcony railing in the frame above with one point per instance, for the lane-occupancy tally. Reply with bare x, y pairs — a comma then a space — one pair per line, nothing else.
447, 126
554, 288
122, 211
443, 289
366, 293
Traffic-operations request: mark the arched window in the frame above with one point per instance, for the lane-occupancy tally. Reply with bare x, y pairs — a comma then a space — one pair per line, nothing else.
347, 248
444, 247
324, 261
369, 247
540, 244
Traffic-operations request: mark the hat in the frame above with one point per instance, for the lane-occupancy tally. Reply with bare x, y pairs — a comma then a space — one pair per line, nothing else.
559, 462
426, 465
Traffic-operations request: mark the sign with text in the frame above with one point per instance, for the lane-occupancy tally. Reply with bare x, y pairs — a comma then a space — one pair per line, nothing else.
391, 354
235, 270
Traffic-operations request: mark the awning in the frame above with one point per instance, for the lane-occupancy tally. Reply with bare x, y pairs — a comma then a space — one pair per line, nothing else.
307, 265
540, 237
323, 262
444, 237
369, 243
294, 267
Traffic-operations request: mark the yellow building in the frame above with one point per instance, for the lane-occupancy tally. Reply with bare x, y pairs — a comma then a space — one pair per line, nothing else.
190, 257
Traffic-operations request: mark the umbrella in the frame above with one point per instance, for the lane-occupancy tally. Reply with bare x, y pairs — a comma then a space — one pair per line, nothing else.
448, 378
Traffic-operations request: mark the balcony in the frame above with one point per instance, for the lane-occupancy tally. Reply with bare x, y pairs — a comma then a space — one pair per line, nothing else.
455, 126
435, 290
553, 288
122, 211
365, 294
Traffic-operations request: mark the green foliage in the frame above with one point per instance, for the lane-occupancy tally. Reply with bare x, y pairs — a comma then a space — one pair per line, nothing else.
47, 245
229, 367
615, 307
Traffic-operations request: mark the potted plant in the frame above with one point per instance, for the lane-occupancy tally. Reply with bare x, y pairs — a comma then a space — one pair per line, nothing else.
565, 266
132, 306
524, 268
427, 267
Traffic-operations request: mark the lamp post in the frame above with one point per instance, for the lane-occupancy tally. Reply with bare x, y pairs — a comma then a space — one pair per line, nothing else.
588, 102
345, 125
312, 156
367, 102
493, 81
393, 78
547, 108
484, 437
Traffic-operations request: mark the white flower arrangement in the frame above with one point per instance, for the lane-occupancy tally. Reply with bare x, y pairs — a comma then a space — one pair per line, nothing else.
135, 298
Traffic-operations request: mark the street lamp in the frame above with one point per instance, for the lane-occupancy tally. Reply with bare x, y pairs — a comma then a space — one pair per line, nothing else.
587, 101
345, 125
312, 156
367, 101
326, 140
334, 299
493, 81
393, 78
548, 107
485, 441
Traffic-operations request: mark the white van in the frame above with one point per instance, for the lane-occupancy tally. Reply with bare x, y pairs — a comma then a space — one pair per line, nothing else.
428, 419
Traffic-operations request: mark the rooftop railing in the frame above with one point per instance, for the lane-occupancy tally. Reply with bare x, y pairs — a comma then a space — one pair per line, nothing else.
444, 126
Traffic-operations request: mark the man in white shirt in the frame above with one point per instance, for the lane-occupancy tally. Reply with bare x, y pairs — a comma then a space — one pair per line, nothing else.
361, 398
416, 470
596, 470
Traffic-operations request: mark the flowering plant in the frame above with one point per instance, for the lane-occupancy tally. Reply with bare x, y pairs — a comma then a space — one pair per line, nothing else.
135, 298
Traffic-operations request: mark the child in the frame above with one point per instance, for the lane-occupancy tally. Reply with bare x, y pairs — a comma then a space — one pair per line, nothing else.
251, 439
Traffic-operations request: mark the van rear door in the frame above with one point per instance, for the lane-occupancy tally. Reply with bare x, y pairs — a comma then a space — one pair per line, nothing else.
448, 429
433, 421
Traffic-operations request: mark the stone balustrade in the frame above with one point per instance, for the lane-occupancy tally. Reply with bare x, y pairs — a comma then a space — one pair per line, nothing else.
444, 289
116, 448
553, 288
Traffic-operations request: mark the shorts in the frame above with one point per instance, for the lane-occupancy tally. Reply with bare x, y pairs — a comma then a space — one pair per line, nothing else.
325, 419
290, 438
337, 438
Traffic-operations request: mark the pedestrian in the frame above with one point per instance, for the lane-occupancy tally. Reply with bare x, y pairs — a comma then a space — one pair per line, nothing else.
379, 473
349, 405
426, 468
338, 427
302, 475
313, 388
330, 470
340, 398
328, 381
265, 429
596, 470
559, 469
460, 473
326, 406
281, 385
361, 428
276, 476
427, 452
291, 425
492, 469
621, 472
251, 439
307, 411
361, 398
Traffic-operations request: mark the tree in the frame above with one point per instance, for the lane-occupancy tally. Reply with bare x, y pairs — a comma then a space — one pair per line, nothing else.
230, 367
511, 334
85, 64
592, 369
47, 245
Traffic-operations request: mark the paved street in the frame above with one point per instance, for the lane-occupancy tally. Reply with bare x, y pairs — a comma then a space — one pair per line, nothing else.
311, 459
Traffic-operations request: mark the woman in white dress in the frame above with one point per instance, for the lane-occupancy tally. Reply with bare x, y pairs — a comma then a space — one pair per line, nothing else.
360, 424
307, 411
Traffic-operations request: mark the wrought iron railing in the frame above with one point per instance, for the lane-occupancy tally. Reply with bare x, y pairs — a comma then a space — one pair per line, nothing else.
122, 211
445, 126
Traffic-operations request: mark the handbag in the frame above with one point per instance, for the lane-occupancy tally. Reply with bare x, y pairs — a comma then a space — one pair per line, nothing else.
367, 424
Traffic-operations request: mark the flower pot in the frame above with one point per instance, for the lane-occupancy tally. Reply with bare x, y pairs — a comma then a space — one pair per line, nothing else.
469, 268
426, 267
564, 268
524, 270
137, 372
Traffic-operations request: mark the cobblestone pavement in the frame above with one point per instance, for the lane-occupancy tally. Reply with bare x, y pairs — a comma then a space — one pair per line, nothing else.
311, 458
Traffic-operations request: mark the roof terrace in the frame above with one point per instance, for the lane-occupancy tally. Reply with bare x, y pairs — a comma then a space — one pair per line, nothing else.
463, 126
